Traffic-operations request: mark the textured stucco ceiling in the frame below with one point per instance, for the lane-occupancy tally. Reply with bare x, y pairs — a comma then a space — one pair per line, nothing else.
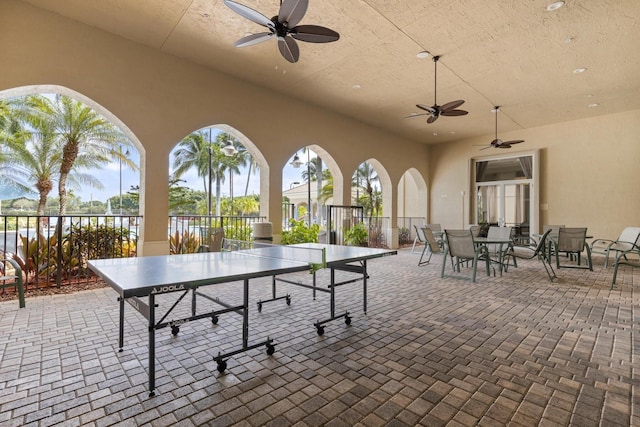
515, 54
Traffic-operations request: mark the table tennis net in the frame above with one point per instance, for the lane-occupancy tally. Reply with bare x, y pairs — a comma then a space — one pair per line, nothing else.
315, 257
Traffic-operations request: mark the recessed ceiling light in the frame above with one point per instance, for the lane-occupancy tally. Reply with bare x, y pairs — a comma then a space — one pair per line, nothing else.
435, 134
593, 105
579, 70
555, 6
568, 40
356, 86
423, 54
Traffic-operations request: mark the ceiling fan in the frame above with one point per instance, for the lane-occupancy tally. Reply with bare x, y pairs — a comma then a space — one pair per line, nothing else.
435, 111
498, 143
284, 27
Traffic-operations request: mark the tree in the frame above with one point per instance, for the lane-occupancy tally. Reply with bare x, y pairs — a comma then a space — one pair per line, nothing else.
198, 151
314, 172
87, 138
37, 157
366, 178
12, 180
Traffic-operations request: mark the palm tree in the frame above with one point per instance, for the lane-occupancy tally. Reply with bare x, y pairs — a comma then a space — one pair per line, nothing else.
366, 177
193, 151
38, 157
253, 169
228, 163
86, 136
12, 179
314, 173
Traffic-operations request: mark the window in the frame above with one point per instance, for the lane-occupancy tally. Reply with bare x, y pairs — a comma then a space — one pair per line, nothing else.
505, 192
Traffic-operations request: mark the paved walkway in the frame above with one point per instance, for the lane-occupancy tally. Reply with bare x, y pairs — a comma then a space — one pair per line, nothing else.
512, 350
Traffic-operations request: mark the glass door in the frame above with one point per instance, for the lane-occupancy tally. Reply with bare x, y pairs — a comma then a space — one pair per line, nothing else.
504, 193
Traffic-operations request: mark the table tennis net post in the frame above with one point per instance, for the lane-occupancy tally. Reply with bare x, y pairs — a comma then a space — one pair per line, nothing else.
316, 257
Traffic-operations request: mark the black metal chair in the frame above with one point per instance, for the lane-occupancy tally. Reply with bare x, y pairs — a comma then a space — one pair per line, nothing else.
530, 252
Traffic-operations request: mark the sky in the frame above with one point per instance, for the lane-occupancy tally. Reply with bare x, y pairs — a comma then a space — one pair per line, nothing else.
110, 178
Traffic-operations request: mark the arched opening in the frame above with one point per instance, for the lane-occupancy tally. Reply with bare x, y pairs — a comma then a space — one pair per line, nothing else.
412, 205
214, 183
308, 190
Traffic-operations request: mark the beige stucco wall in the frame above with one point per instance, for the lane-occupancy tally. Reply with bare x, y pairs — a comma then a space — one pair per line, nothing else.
588, 174
160, 99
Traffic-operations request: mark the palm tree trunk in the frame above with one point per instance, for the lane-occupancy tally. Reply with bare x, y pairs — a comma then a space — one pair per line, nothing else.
62, 193
217, 194
246, 188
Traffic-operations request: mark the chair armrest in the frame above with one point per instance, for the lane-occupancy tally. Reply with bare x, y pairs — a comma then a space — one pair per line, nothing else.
15, 266
602, 243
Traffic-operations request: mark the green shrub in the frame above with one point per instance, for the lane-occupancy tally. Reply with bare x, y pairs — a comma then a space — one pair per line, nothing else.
357, 235
300, 233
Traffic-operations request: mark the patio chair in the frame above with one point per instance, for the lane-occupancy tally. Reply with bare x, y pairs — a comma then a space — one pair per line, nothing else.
628, 240
431, 245
572, 242
418, 238
11, 277
214, 240
436, 229
538, 251
623, 259
494, 249
460, 247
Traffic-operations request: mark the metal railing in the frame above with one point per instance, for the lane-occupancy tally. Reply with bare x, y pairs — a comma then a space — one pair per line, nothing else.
407, 230
188, 232
52, 250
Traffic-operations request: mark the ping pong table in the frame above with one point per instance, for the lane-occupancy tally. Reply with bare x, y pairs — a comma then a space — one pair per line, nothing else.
137, 279
351, 259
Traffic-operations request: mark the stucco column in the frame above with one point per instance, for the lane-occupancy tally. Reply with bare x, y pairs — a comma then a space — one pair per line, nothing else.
154, 203
271, 200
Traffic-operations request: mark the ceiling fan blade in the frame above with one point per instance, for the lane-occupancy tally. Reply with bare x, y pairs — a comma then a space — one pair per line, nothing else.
250, 14
432, 119
289, 49
430, 110
488, 146
292, 12
417, 115
452, 105
314, 34
504, 146
253, 39
454, 113
517, 141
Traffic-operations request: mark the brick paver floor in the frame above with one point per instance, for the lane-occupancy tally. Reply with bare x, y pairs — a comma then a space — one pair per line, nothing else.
513, 350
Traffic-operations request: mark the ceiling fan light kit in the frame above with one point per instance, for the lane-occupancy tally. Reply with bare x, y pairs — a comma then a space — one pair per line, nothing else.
284, 27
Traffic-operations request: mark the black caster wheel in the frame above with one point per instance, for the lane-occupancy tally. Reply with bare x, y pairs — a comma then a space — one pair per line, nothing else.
271, 349
214, 320
222, 365
320, 330
347, 320
259, 307
288, 300
175, 330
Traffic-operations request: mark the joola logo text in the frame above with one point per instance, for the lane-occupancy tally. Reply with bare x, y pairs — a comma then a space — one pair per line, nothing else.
170, 288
